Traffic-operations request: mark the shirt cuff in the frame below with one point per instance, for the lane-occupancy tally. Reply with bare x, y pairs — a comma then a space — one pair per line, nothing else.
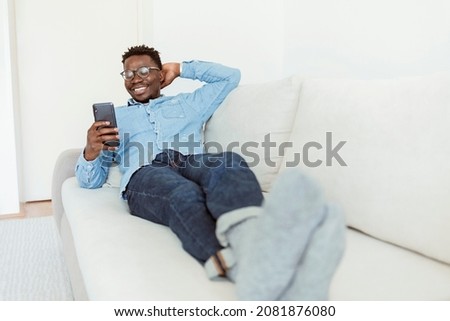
89, 164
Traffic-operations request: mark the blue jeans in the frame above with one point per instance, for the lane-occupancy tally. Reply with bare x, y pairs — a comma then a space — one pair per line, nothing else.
188, 193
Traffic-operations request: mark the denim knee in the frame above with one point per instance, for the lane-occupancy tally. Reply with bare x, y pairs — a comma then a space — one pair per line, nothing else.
186, 192
234, 160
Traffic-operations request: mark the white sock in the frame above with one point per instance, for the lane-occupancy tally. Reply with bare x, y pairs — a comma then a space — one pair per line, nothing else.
239, 244
320, 260
232, 230
276, 242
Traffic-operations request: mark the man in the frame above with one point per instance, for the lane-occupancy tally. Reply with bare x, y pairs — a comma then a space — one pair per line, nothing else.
212, 202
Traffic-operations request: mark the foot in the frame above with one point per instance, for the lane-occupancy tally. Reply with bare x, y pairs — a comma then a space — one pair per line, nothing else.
280, 235
320, 260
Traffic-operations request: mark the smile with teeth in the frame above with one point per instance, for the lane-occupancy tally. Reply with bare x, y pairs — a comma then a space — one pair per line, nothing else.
139, 90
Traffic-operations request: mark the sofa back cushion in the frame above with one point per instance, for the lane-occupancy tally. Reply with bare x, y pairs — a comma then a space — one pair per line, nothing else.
253, 121
385, 158
242, 124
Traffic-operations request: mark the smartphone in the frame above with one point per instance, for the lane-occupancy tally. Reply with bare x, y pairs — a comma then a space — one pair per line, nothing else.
105, 112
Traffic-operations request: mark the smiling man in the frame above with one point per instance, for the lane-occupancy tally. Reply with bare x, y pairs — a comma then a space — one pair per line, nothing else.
212, 202
146, 86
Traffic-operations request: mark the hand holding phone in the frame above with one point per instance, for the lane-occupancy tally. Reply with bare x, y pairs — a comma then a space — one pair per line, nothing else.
105, 112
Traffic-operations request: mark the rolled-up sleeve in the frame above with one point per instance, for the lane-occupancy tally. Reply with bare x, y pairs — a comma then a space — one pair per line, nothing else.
220, 81
92, 174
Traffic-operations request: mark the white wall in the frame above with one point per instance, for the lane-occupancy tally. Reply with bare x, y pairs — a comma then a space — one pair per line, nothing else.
9, 190
69, 56
366, 39
244, 34
323, 38
69, 52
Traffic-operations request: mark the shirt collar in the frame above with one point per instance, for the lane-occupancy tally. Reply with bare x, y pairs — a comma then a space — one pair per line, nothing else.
132, 102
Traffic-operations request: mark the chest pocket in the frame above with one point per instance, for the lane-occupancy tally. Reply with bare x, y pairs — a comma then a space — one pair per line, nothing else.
173, 111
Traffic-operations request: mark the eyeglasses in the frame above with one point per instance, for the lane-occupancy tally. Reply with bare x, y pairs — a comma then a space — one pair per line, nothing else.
142, 72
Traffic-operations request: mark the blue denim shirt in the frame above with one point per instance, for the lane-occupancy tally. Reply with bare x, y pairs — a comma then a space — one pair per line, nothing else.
174, 122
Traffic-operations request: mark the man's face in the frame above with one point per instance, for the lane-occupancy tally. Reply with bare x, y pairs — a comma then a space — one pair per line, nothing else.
142, 89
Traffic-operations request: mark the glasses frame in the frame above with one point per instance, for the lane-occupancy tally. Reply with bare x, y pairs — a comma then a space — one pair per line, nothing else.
135, 72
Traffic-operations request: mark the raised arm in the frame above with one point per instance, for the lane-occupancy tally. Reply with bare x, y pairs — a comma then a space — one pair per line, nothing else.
219, 81
93, 164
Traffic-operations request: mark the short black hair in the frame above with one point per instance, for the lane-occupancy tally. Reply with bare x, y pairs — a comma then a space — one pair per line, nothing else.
143, 50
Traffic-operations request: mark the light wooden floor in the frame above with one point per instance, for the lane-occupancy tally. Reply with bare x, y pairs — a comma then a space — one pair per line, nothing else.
32, 209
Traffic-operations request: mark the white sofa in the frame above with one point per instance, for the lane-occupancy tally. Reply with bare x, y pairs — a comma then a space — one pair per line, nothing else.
392, 181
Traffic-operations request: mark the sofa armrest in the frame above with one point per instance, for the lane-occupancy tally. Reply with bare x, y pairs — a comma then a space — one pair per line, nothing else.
64, 168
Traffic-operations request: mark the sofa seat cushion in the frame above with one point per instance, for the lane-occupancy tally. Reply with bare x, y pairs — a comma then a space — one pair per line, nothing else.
123, 257
372, 269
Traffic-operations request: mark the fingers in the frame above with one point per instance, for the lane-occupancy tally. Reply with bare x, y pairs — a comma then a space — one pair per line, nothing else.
163, 83
97, 135
166, 80
100, 124
169, 72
